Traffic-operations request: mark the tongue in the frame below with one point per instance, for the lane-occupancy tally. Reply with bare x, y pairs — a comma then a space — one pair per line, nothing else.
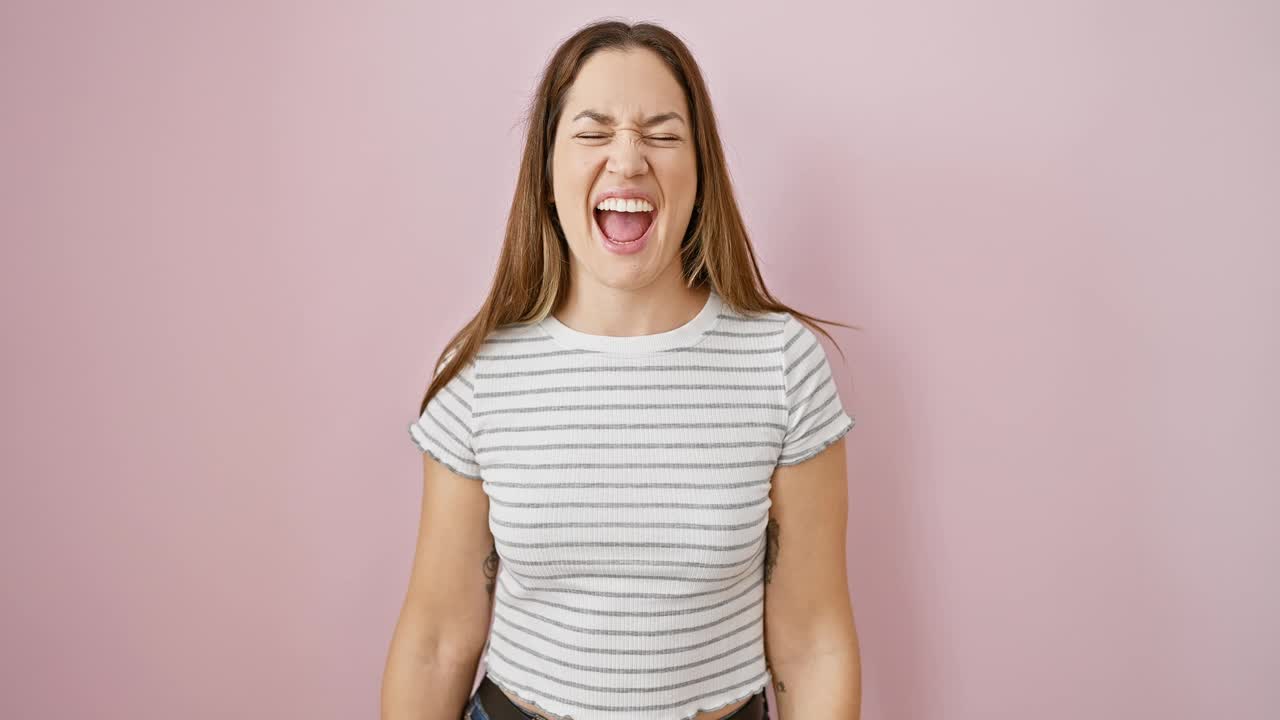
624, 226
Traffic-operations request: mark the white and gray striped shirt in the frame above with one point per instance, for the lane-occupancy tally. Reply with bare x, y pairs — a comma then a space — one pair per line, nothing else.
628, 482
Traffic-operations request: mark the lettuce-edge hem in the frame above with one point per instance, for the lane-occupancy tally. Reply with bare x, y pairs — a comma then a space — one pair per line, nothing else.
757, 688
436, 456
823, 446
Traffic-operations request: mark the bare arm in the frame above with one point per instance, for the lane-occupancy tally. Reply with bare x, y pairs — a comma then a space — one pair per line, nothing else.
811, 643
435, 649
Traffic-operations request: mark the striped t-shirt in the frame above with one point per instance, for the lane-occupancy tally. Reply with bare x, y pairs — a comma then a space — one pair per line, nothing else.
628, 482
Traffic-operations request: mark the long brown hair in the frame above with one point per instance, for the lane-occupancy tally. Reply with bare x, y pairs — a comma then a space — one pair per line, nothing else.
532, 273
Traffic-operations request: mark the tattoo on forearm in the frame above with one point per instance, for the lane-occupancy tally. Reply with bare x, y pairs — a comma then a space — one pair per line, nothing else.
491, 571
770, 549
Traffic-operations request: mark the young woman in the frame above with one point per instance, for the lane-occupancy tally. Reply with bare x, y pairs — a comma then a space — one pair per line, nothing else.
634, 485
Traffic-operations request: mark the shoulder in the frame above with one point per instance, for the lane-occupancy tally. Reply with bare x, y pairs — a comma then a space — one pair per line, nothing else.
802, 351
765, 324
513, 343
776, 331
797, 337
513, 340
501, 340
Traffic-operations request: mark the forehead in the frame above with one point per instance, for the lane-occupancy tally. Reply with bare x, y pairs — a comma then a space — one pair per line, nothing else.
626, 84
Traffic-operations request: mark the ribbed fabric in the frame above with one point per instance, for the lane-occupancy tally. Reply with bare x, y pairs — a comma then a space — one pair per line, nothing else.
628, 482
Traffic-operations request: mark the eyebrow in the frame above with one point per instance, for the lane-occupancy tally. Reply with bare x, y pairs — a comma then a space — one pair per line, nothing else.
610, 120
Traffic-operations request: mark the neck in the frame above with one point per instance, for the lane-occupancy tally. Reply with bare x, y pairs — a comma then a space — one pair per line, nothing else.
662, 305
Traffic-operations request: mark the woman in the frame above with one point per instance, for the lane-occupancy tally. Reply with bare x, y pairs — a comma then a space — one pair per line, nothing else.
633, 452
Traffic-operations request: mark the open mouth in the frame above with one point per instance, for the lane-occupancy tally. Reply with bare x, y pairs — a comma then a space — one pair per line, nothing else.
624, 227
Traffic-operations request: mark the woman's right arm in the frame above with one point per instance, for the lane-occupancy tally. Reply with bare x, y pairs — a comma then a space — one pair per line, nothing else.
444, 621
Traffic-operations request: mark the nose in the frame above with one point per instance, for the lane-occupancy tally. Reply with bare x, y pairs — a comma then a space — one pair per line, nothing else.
626, 155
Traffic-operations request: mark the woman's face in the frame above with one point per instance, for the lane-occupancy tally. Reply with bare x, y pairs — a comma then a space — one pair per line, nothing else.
625, 126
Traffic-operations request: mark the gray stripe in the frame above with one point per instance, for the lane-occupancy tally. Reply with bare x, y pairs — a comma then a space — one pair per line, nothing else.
672, 526
630, 426
750, 319
447, 431
629, 406
636, 485
746, 683
799, 331
757, 657
526, 356
458, 397
538, 338
617, 561
805, 455
438, 447
730, 333
800, 359
630, 671
659, 632
626, 595
699, 696
817, 428
631, 446
631, 368
723, 351
816, 409
451, 414
623, 613
603, 388
440, 459
805, 379
625, 576
617, 505
749, 625
633, 465
654, 545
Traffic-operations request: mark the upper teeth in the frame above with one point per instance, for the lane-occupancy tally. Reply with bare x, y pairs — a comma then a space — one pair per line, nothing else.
625, 205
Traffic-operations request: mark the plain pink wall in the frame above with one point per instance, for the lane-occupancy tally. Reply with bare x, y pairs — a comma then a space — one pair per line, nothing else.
236, 236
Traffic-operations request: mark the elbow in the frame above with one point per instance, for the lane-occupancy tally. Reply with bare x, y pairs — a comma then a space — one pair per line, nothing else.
421, 636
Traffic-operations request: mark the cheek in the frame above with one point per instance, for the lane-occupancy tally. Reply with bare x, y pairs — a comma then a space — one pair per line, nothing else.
565, 162
575, 171
679, 171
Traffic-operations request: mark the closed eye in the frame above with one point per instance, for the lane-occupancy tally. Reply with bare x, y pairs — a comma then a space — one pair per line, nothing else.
600, 136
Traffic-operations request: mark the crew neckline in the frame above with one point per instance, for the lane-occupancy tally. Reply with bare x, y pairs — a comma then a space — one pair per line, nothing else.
683, 336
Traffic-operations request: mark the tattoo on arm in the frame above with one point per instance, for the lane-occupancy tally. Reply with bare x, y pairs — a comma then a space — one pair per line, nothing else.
491, 571
770, 549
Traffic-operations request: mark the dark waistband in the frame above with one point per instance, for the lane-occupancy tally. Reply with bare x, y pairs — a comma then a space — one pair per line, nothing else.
500, 707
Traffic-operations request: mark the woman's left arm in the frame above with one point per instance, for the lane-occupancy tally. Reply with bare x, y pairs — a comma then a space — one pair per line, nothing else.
811, 644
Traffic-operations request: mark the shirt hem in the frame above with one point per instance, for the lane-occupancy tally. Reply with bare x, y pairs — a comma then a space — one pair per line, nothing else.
768, 677
449, 464
821, 446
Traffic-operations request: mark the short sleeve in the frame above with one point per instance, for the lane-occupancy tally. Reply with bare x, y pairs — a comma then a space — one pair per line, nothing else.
815, 415
444, 430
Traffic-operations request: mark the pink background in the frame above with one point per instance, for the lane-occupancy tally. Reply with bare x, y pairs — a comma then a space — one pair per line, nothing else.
236, 235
